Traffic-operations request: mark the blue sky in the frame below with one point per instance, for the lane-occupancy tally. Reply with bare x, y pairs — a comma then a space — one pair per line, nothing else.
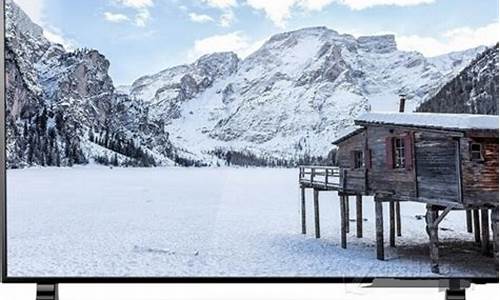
142, 37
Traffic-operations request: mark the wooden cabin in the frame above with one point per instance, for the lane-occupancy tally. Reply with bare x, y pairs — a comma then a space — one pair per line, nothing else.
447, 161
440, 159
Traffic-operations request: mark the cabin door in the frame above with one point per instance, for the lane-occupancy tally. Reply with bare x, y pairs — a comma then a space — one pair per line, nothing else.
437, 168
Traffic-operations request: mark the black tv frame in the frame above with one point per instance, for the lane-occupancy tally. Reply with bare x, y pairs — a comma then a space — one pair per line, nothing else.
452, 284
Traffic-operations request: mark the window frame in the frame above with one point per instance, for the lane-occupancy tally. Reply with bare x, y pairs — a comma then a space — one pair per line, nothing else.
472, 152
358, 159
398, 153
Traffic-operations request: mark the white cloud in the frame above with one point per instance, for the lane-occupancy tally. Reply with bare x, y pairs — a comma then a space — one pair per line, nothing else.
453, 40
280, 11
363, 4
277, 11
200, 18
222, 4
137, 4
236, 42
227, 18
143, 15
115, 18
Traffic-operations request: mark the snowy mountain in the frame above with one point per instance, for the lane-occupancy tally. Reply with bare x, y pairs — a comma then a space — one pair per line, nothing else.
292, 96
283, 104
474, 90
62, 108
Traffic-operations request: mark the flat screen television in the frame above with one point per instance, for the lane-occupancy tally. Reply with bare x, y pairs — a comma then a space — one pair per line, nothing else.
249, 141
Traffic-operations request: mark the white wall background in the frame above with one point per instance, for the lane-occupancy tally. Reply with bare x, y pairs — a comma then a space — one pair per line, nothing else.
239, 292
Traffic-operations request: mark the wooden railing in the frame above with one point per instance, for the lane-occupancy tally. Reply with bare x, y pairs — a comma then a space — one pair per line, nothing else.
320, 176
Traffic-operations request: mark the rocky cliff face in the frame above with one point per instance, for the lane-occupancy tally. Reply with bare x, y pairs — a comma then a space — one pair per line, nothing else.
62, 108
283, 104
474, 90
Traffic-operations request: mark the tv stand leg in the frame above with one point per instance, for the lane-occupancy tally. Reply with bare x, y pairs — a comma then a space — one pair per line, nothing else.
455, 294
47, 292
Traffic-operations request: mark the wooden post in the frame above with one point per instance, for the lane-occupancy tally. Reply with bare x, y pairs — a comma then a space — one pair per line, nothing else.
303, 208
485, 231
477, 226
343, 222
379, 224
468, 216
359, 216
432, 230
494, 229
392, 225
347, 225
398, 218
316, 213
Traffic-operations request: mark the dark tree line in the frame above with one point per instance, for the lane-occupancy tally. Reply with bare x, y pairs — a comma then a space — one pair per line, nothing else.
136, 156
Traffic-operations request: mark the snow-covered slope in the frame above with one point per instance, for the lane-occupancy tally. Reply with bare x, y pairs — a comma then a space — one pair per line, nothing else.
292, 96
474, 90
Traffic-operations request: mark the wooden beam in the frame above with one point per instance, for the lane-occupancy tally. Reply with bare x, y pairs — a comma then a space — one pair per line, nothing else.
468, 215
392, 224
359, 216
494, 229
477, 226
432, 230
485, 231
398, 217
379, 228
347, 215
316, 213
343, 222
303, 208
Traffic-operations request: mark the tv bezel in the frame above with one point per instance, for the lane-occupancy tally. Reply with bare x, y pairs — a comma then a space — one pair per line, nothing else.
56, 280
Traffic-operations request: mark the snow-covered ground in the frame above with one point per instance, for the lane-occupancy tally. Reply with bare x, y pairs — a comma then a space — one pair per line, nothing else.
96, 221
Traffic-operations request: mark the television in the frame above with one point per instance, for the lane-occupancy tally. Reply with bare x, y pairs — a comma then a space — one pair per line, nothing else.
148, 141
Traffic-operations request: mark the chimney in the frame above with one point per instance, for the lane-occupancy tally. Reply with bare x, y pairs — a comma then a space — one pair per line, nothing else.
402, 100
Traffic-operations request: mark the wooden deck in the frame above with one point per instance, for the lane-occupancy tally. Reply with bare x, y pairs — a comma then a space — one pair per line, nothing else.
320, 177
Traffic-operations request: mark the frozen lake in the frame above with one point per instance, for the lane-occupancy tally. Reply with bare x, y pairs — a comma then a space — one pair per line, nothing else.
96, 221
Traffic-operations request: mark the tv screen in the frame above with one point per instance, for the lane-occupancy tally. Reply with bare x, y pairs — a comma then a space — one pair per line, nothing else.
255, 140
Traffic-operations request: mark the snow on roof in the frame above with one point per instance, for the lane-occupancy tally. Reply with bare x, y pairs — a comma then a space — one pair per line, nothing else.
432, 120
347, 133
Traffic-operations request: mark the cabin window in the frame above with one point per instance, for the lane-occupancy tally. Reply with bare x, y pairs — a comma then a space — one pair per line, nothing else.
358, 159
476, 150
399, 153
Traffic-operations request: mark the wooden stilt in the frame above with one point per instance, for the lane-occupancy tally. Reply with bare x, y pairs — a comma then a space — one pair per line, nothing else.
303, 208
379, 224
468, 215
477, 226
432, 230
398, 217
347, 214
343, 222
316, 213
494, 229
359, 216
485, 231
392, 224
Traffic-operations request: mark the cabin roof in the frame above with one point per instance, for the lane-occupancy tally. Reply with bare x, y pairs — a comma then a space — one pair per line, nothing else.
457, 122
347, 133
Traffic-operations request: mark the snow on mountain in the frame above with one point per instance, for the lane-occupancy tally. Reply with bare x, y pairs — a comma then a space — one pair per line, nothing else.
283, 104
292, 96
474, 90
